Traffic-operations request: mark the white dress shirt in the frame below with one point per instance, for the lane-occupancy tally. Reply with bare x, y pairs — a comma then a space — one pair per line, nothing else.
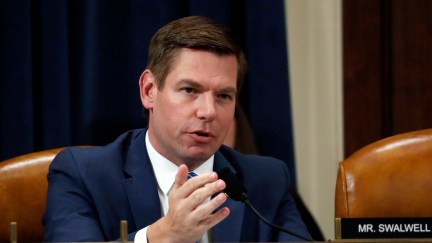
165, 172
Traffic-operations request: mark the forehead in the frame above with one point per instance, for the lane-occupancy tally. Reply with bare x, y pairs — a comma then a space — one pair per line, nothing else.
202, 65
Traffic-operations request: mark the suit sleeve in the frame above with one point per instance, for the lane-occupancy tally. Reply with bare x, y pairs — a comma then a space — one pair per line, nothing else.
70, 214
289, 216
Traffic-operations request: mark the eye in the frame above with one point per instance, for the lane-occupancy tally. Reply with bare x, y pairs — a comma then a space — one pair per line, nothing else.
225, 97
188, 90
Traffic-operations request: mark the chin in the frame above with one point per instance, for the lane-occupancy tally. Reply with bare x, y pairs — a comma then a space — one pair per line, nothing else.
200, 155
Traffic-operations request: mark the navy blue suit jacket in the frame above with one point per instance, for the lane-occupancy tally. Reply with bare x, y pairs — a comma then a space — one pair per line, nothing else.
92, 189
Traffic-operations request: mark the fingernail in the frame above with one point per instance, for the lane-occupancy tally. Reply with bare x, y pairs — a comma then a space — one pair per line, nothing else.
220, 184
213, 175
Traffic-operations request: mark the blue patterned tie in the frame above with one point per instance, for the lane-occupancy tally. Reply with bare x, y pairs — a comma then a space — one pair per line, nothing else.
191, 174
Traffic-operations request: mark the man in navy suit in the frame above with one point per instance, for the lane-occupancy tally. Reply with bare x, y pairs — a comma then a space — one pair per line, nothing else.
189, 90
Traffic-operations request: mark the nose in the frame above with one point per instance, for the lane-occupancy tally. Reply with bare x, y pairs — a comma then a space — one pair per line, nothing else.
206, 107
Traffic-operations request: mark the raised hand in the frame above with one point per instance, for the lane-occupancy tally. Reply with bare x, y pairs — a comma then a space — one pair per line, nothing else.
188, 216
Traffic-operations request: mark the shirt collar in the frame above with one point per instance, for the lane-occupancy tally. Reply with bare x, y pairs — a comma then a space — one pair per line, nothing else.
165, 170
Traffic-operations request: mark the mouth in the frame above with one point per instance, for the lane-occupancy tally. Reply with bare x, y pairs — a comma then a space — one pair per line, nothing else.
202, 134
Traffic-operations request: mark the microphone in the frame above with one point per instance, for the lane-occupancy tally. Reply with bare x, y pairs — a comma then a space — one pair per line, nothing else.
236, 190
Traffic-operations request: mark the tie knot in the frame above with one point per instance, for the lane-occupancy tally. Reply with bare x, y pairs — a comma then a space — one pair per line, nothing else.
191, 174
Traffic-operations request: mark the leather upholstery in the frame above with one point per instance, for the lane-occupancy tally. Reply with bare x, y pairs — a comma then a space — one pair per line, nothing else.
388, 178
23, 187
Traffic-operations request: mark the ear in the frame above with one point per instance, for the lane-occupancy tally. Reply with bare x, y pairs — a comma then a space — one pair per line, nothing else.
148, 88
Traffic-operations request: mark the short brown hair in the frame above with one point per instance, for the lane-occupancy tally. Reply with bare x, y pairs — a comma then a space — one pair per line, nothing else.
194, 32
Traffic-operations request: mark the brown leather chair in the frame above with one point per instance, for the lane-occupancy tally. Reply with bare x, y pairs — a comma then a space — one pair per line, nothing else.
23, 187
388, 178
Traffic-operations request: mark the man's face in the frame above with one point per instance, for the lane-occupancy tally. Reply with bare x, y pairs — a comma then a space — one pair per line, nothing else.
191, 115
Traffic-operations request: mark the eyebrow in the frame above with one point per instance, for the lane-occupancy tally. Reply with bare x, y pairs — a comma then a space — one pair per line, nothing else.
197, 85
189, 82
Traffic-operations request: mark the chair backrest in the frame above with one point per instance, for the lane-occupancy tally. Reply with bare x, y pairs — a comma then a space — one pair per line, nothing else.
388, 178
23, 188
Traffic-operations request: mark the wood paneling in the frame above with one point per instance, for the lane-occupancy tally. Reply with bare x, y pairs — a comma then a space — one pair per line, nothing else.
387, 58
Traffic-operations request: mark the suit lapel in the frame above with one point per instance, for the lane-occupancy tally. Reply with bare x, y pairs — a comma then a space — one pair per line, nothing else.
141, 187
229, 230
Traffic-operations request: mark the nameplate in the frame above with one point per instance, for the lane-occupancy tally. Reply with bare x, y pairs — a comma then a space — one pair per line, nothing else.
385, 228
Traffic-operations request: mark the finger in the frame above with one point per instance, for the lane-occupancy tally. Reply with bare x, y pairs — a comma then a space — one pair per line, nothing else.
201, 194
195, 183
202, 210
213, 219
181, 176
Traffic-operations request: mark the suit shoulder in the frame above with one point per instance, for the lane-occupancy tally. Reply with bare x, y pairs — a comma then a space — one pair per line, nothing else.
259, 172
85, 155
251, 162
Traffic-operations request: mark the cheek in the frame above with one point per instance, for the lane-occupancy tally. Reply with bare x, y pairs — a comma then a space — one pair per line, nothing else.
172, 111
